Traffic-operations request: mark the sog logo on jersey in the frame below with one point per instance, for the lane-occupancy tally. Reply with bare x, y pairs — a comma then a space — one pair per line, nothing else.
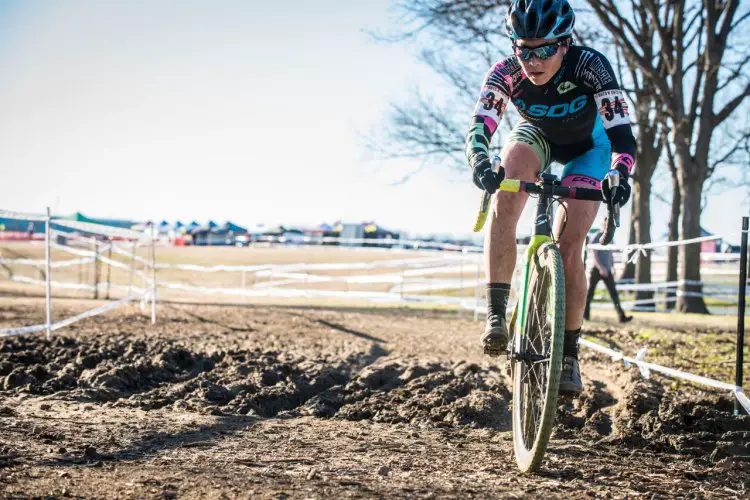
565, 87
556, 111
612, 107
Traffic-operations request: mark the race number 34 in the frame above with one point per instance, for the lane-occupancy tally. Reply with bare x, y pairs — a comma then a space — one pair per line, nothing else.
612, 107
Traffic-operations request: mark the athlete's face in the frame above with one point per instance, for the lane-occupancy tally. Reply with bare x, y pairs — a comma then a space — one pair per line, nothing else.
540, 71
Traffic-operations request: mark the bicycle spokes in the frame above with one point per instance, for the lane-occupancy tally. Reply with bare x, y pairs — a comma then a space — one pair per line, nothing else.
538, 360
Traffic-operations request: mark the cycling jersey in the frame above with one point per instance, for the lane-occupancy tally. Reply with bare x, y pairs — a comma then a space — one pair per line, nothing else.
562, 119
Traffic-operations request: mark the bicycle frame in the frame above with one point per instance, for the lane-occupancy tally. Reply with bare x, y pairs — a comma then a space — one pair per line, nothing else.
540, 235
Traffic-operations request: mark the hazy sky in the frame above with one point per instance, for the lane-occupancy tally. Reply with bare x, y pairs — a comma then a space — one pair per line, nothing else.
242, 110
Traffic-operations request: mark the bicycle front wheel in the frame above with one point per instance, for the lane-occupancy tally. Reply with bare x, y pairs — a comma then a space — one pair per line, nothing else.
538, 358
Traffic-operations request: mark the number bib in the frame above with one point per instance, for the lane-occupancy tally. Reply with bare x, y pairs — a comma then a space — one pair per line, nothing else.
612, 107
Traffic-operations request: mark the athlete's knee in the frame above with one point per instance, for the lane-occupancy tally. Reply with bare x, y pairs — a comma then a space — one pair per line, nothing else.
521, 161
571, 252
508, 206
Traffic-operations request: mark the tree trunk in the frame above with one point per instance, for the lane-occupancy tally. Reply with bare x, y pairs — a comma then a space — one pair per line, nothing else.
643, 236
690, 299
674, 234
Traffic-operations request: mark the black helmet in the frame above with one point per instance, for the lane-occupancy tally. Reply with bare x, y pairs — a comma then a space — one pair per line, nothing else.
546, 19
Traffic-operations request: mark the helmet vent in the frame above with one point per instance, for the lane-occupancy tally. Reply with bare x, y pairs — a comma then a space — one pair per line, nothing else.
531, 24
547, 24
563, 27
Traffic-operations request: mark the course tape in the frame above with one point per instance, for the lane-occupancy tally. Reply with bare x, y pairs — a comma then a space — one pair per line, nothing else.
42, 263
90, 227
650, 246
56, 284
7, 332
75, 251
93, 312
416, 244
275, 269
10, 332
646, 368
296, 292
9, 214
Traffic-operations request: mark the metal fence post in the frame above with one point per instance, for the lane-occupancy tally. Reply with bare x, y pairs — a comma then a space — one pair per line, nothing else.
48, 271
109, 267
741, 313
132, 269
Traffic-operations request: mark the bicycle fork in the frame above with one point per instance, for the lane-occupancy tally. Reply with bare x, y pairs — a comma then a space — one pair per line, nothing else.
541, 234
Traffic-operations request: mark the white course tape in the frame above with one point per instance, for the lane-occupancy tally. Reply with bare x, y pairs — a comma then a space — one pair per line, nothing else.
56, 284
9, 214
41, 263
125, 267
93, 312
645, 369
275, 269
650, 246
75, 251
9, 332
296, 292
90, 227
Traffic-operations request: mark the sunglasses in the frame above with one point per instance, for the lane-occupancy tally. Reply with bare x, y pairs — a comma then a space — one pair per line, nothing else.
541, 52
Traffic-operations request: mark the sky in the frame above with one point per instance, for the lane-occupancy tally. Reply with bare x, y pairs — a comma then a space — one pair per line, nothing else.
243, 110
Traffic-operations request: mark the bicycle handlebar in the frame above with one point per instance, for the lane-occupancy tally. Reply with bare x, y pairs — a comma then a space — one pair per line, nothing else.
576, 193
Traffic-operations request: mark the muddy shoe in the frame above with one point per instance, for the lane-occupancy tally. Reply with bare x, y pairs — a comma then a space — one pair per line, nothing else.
570, 378
625, 318
495, 336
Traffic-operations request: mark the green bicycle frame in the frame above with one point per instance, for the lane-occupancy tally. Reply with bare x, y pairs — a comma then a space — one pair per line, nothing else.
540, 236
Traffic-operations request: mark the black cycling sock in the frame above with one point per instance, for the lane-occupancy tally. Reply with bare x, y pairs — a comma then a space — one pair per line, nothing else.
570, 344
497, 298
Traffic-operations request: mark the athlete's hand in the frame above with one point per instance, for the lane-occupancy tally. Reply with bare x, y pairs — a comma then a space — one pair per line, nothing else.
485, 178
622, 194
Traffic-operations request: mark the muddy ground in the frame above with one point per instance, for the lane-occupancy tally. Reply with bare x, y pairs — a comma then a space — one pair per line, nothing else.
273, 402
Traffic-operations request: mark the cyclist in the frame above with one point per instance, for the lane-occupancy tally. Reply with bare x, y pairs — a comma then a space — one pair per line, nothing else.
573, 112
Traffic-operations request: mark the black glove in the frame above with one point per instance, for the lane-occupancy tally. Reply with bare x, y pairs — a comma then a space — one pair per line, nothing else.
621, 195
485, 178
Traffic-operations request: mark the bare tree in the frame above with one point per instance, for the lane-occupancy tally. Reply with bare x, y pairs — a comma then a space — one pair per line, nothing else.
462, 39
650, 129
697, 72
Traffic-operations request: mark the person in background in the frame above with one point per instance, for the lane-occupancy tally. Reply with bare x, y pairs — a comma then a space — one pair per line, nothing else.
602, 270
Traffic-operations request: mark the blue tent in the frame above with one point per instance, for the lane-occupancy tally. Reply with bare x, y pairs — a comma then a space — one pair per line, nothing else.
231, 226
212, 224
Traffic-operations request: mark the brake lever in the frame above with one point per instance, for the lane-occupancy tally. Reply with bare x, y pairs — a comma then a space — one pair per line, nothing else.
484, 206
613, 179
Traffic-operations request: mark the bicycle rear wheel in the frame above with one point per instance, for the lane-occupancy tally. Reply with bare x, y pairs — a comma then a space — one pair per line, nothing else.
538, 359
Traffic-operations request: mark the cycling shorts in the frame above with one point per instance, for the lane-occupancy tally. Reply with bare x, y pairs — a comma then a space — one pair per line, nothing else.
586, 162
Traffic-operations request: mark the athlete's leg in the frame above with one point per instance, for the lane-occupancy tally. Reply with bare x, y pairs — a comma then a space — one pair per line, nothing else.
594, 278
524, 155
571, 227
612, 288
520, 162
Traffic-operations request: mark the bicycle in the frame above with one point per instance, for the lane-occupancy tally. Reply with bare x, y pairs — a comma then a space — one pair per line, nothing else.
535, 351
